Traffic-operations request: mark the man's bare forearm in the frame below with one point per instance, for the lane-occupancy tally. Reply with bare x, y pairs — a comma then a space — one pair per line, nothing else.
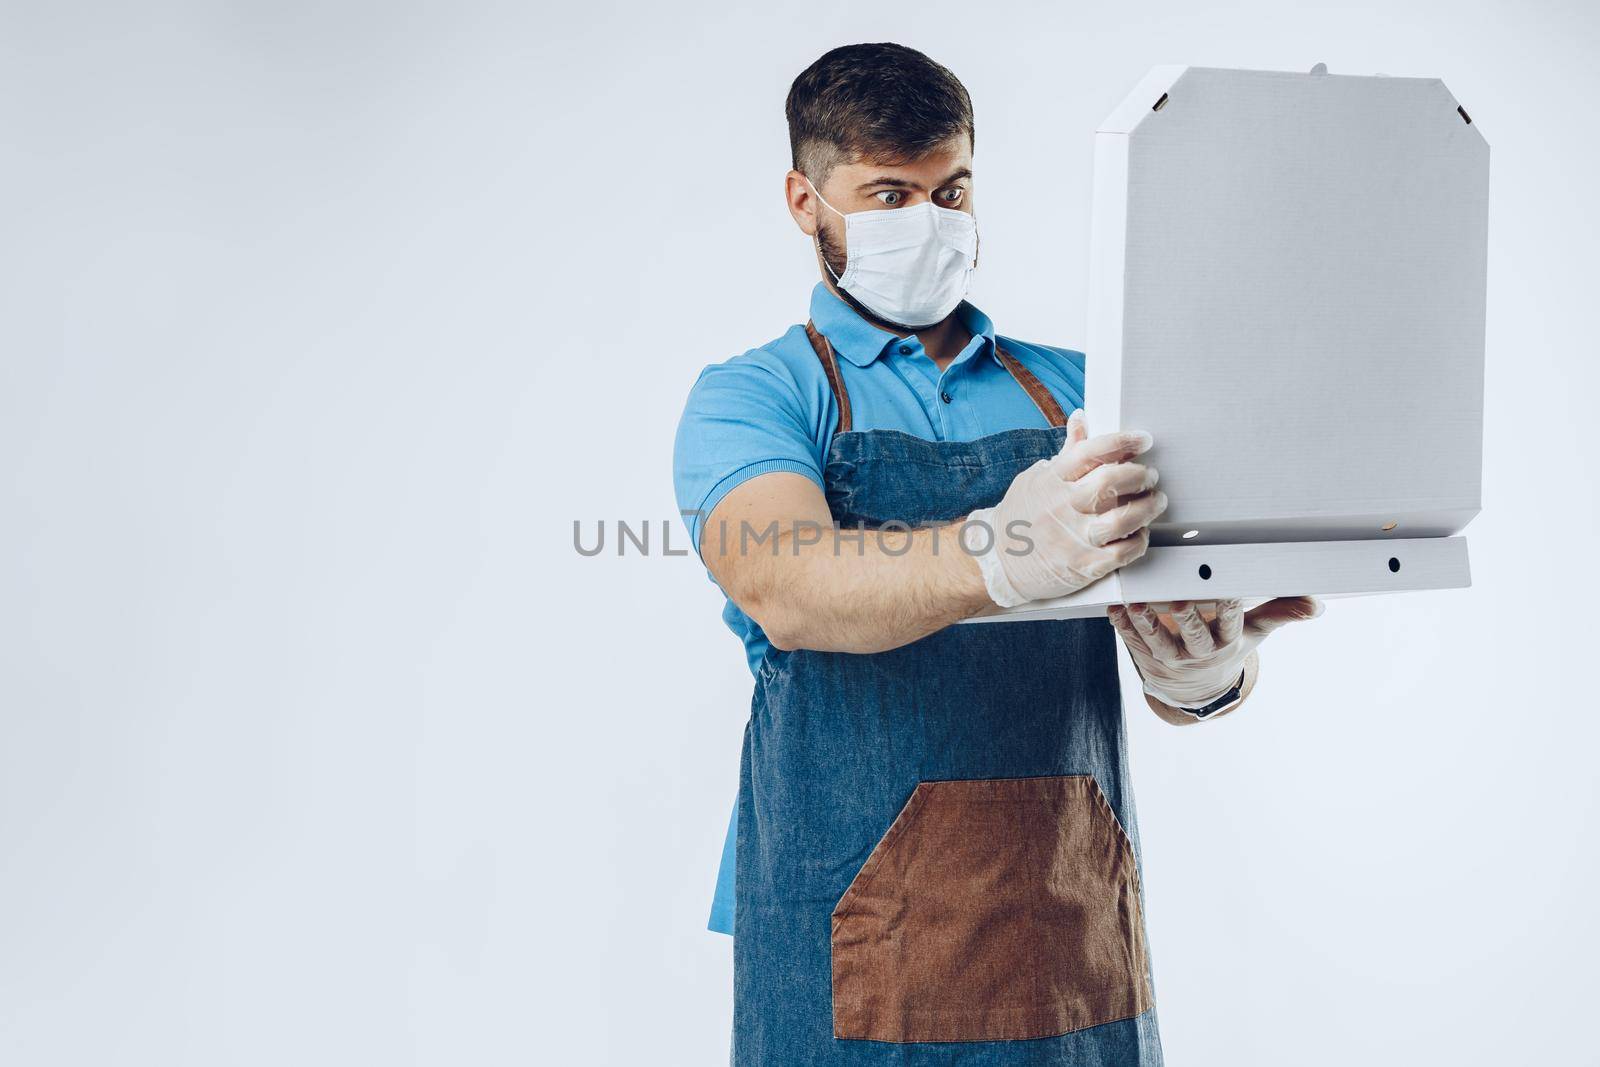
773, 548
864, 592
812, 586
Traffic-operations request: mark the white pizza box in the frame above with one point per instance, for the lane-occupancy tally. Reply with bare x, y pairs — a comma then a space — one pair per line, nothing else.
1287, 289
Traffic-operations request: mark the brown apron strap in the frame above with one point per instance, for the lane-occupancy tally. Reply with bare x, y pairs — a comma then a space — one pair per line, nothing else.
830, 367
1041, 397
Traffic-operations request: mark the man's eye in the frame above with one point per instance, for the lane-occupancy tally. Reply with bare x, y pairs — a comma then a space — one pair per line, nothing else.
952, 196
891, 197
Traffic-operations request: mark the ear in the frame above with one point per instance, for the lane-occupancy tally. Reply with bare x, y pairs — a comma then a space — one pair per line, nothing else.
803, 203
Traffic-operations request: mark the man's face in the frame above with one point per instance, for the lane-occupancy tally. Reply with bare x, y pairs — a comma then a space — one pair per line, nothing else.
943, 176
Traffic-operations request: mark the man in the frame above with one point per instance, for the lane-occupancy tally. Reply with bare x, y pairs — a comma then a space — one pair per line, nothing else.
936, 855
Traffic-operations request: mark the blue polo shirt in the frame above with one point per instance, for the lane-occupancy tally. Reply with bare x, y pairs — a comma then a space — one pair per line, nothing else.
770, 409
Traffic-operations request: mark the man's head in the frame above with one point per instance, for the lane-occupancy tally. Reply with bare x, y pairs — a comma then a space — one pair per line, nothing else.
875, 127
880, 102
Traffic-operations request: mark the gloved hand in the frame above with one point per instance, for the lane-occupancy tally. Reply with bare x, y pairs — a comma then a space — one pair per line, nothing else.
1063, 523
1203, 659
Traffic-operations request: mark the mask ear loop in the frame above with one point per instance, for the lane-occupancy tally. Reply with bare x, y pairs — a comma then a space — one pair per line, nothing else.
817, 240
817, 243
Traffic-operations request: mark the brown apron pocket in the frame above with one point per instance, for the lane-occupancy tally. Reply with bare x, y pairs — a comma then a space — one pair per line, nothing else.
992, 910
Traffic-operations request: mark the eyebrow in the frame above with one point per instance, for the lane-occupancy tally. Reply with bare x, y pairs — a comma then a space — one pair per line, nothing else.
901, 183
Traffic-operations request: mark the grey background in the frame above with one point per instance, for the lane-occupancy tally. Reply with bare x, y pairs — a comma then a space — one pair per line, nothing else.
323, 322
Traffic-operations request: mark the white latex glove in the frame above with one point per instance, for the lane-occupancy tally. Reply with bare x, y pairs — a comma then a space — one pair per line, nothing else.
1070, 509
1203, 660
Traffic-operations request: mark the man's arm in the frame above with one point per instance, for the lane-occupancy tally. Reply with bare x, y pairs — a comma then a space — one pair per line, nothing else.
770, 545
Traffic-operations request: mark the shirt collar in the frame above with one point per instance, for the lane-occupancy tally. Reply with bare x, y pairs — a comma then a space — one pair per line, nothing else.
860, 342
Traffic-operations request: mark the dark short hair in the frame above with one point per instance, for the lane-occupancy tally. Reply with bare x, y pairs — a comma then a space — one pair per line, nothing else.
884, 102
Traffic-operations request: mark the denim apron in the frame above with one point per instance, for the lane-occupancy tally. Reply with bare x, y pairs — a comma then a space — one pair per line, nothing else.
937, 861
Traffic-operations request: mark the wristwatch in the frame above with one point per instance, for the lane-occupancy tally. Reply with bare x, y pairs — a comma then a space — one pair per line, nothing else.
1227, 699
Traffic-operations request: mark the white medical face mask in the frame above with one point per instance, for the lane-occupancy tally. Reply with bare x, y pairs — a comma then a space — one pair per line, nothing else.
909, 266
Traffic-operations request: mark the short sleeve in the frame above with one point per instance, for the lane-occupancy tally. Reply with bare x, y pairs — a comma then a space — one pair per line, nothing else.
746, 417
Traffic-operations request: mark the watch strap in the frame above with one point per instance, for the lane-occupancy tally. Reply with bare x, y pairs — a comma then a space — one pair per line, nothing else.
1228, 698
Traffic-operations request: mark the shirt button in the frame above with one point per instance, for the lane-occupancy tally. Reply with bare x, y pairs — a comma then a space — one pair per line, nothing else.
945, 397
905, 350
